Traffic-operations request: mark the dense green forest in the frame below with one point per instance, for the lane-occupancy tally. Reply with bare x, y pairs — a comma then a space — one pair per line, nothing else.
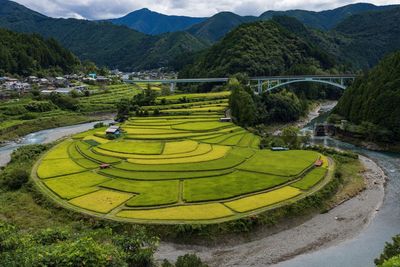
367, 37
259, 49
249, 109
25, 54
217, 26
101, 42
373, 101
358, 41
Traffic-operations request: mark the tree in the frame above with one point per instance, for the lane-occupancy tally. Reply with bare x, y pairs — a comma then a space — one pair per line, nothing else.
64, 101
391, 250
241, 104
123, 109
290, 135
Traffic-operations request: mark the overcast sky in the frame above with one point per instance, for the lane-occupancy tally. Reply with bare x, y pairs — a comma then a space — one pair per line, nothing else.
103, 9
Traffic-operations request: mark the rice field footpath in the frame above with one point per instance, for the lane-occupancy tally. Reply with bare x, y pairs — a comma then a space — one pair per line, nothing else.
173, 168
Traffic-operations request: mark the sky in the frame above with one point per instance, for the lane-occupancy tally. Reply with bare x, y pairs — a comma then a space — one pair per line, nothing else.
105, 9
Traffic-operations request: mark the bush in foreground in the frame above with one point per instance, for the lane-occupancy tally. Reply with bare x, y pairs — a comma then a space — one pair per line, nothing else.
391, 254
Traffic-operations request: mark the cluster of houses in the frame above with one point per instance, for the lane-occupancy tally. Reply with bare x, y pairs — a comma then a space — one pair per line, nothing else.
156, 74
62, 85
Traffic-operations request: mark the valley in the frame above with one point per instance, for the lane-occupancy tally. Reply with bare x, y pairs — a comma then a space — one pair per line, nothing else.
231, 137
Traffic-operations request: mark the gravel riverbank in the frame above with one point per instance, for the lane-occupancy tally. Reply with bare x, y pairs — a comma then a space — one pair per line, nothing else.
342, 222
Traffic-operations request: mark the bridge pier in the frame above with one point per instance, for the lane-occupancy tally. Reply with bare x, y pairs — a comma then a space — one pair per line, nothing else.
259, 88
172, 87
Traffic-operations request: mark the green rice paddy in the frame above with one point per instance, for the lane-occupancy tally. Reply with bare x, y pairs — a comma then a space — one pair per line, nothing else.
188, 168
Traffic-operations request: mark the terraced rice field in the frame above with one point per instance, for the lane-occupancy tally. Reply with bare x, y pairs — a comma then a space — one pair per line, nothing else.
176, 169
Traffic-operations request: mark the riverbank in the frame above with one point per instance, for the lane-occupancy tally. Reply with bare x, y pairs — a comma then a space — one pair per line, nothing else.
374, 146
43, 137
270, 246
16, 132
315, 112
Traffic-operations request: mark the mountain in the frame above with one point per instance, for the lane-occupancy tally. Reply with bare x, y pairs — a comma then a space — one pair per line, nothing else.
26, 55
326, 19
214, 28
101, 42
150, 22
218, 26
375, 98
260, 49
370, 36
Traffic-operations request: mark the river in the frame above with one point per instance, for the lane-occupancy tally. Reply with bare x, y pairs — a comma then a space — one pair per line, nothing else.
365, 247
359, 251
43, 137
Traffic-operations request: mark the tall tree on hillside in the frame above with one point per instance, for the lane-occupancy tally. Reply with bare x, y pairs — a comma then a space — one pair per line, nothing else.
243, 108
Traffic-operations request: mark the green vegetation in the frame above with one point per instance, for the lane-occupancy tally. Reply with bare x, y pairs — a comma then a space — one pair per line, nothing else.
273, 51
102, 42
176, 168
249, 109
373, 103
390, 256
26, 55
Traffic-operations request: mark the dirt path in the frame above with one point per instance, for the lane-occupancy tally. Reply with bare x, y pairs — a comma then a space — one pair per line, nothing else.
341, 223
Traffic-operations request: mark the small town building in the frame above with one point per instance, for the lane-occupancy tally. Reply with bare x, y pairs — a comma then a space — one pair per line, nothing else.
225, 119
17, 86
113, 130
319, 163
33, 79
46, 92
105, 166
279, 148
102, 79
43, 81
60, 81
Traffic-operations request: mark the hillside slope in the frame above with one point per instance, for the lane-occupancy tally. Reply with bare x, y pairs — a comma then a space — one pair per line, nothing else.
370, 36
218, 26
30, 54
326, 19
101, 42
150, 22
375, 98
259, 49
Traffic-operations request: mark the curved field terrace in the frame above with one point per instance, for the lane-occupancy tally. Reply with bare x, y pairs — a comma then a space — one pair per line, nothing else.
176, 169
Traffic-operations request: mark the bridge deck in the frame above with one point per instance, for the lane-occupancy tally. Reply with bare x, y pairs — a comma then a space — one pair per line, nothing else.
266, 78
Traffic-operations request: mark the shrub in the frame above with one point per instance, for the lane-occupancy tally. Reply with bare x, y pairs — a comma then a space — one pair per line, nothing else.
15, 178
189, 260
50, 236
391, 250
99, 125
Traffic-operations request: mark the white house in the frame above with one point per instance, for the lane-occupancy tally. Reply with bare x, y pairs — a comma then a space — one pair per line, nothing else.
114, 130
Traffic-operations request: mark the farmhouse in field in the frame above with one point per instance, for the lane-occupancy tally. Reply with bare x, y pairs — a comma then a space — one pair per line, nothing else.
113, 130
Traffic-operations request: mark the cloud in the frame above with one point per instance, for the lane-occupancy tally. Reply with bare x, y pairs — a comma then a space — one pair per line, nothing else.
104, 9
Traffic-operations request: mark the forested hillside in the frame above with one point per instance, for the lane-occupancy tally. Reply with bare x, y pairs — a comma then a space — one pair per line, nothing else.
370, 36
375, 98
150, 22
25, 54
101, 42
259, 48
326, 19
216, 27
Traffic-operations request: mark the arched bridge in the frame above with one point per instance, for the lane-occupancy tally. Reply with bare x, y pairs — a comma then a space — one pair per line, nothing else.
270, 82
275, 82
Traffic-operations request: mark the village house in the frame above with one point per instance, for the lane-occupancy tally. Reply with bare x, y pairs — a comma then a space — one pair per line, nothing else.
60, 82
113, 130
17, 86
